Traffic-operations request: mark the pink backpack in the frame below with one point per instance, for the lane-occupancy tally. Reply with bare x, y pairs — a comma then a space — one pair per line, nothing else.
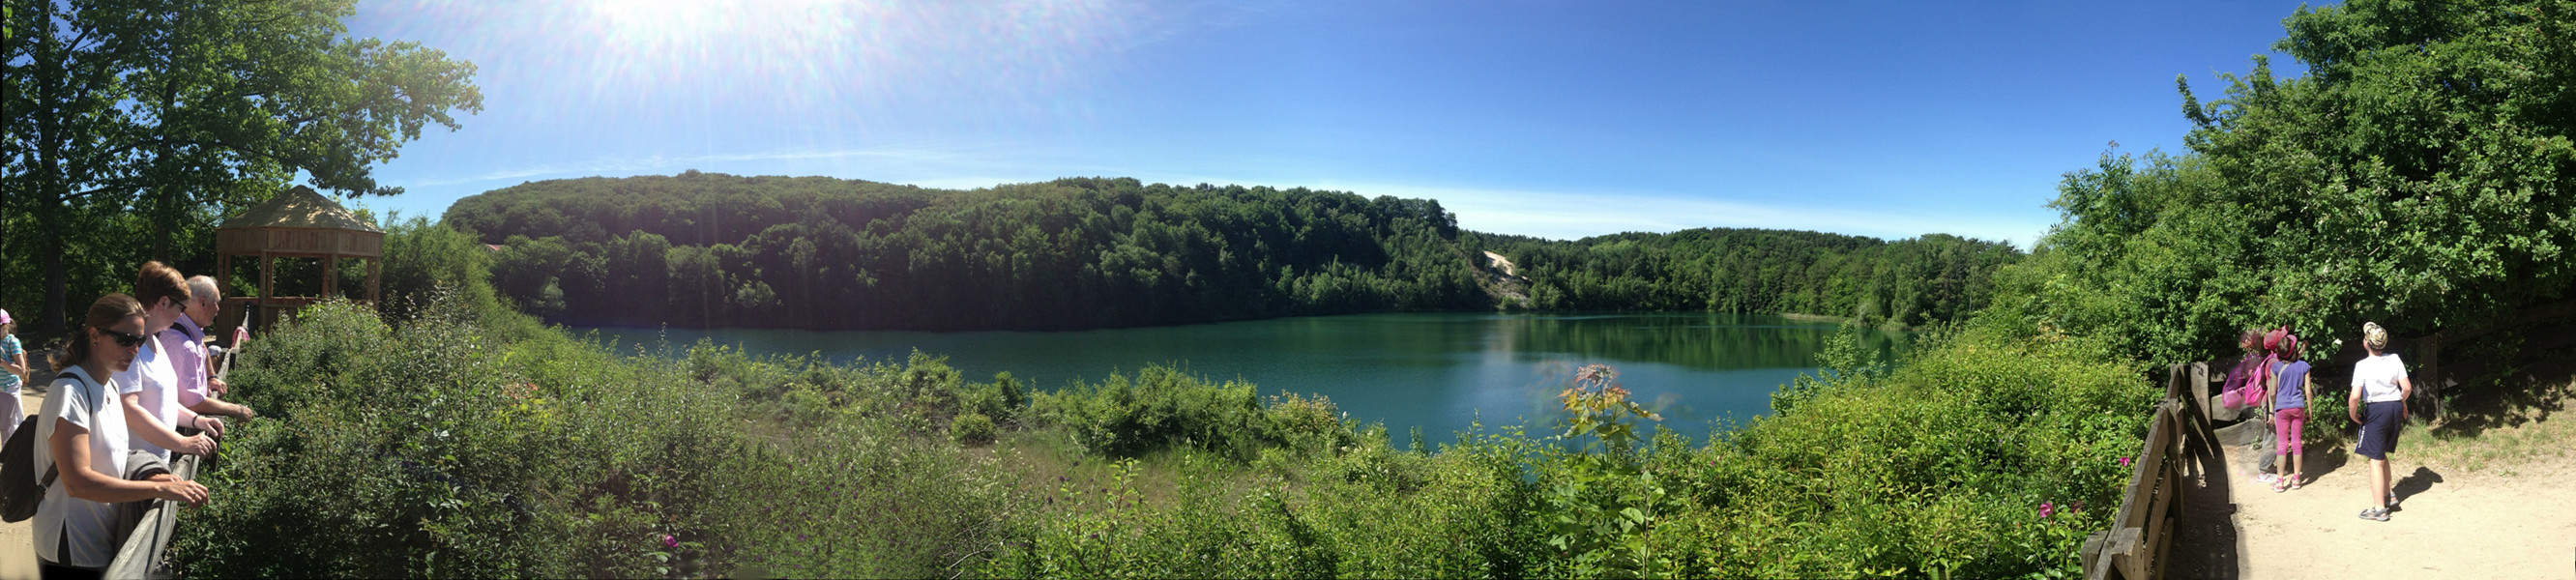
2252, 392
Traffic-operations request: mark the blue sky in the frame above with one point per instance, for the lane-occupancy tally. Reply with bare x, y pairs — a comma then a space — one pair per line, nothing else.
1555, 119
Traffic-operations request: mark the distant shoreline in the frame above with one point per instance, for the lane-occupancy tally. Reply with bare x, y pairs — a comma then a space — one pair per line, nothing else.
1804, 317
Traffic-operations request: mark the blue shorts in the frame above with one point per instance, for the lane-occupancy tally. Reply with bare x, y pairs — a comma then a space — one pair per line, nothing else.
2379, 424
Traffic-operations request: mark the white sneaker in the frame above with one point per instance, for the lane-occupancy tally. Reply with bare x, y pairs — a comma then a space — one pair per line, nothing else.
2267, 478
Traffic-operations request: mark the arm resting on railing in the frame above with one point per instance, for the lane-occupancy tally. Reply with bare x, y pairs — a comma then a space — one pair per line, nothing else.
70, 448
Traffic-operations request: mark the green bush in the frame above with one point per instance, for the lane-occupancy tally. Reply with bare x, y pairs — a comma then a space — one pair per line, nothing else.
439, 446
971, 428
1162, 408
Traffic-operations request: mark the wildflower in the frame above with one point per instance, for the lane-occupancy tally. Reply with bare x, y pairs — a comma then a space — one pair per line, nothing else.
2046, 509
1595, 373
2124, 461
670, 542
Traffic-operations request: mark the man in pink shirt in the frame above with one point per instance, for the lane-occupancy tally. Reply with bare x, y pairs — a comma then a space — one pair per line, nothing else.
199, 389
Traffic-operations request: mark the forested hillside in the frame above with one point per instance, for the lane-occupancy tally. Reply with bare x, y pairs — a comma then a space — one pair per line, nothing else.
1914, 281
702, 249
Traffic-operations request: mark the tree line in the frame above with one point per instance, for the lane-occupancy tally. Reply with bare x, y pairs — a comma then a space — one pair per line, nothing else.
703, 249
1932, 278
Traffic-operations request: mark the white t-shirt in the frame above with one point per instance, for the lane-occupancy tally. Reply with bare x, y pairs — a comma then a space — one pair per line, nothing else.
152, 377
2377, 378
91, 406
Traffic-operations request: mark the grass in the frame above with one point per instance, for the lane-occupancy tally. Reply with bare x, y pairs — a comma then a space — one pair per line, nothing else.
2536, 439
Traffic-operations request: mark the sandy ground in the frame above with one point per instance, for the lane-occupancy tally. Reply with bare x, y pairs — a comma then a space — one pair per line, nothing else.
17, 542
2450, 523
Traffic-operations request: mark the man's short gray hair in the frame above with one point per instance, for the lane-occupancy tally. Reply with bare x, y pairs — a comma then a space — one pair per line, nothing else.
202, 287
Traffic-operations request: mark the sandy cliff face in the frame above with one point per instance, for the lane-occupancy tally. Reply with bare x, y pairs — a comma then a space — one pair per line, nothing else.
1503, 281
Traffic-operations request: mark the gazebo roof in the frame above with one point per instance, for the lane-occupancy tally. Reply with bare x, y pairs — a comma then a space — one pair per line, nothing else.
299, 208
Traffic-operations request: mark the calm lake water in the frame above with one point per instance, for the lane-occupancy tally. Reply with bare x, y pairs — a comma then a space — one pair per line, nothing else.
1439, 372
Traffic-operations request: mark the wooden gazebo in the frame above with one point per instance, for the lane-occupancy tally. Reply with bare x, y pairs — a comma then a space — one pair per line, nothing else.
298, 223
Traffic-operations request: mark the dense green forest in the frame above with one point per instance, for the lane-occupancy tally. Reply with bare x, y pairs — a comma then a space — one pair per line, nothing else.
2421, 174
702, 249
1915, 281
717, 250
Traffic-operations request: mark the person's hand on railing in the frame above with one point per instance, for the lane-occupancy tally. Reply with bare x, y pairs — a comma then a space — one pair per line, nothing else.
199, 445
213, 426
218, 387
172, 488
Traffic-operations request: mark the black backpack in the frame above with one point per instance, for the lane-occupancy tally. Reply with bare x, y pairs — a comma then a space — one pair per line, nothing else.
20, 495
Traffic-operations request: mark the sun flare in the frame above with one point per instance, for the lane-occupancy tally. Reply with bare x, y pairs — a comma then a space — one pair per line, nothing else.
659, 24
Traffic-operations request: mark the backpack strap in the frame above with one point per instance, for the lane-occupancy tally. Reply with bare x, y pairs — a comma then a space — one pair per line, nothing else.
48, 480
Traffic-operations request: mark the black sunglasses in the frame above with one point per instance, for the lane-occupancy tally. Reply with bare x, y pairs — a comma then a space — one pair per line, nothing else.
124, 339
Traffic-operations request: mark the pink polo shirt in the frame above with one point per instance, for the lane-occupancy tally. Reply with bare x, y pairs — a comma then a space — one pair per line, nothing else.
185, 344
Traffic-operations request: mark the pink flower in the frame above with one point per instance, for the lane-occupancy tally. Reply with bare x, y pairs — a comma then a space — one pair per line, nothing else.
2124, 462
670, 542
2046, 509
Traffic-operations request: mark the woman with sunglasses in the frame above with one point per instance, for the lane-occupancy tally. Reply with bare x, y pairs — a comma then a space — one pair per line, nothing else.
150, 386
84, 436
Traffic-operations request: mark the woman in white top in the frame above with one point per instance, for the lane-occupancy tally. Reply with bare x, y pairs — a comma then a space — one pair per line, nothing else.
2378, 404
150, 386
83, 430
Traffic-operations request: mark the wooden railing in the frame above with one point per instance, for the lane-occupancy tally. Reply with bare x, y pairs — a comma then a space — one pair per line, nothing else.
140, 556
2142, 532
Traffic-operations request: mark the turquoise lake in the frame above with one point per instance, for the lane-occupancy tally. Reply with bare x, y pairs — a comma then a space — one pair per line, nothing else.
1439, 372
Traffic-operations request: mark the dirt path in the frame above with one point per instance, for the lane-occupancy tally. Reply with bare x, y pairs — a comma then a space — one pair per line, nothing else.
2496, 521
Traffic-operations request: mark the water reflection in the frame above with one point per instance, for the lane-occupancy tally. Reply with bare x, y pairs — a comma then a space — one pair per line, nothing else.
1435, 371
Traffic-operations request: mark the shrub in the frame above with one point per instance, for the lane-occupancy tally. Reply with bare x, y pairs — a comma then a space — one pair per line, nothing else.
971, 428
1163, 408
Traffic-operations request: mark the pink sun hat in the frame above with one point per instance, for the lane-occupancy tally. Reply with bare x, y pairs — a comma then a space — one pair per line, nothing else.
4, 317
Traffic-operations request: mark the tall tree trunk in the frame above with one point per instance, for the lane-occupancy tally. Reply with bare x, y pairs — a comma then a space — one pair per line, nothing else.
166, 187
51, 317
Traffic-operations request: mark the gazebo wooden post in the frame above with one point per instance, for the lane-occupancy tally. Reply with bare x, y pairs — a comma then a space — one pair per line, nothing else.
267, 289
331, 271
375, 277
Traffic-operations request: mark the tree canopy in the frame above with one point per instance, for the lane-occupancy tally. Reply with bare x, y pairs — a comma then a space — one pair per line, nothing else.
702, 249
132, 124
1932, 278
2418, 175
